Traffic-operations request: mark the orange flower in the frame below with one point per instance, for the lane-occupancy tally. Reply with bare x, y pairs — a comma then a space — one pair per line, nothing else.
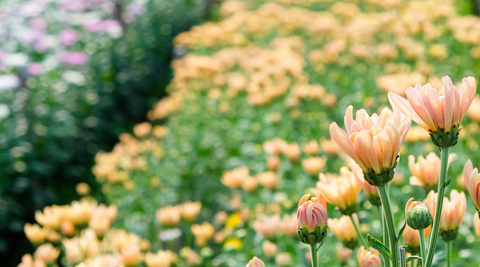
453, 211
202, 232
314, 165
426, 171
367, 258
235, 177
272, 163
292, 151
344, 230
289, 225
476, 224
340, 191
190, 210
169, 215
472, 182
329, 146
412, 237
437, 110
311, 148
373, 142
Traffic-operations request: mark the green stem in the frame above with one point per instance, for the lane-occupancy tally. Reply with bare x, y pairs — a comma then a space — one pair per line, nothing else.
359, 233
403, 257
386, 240
421, 233
449, 253
438, 211
313, 250
392, 232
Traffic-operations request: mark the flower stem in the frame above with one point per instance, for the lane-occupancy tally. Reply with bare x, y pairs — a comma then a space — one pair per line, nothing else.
423, 254
403, 257
449, 253
438, 211
386, 260
392, 232
313, 250
359, 233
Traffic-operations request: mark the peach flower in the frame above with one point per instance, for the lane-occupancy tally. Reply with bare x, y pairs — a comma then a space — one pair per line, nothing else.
366, 258
340, 191
255, 262
426, 171
472, 182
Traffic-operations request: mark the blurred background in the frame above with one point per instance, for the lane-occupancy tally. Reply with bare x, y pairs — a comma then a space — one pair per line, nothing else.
76, 74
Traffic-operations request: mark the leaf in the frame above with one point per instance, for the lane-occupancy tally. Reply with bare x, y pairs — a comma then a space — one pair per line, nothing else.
376, 244
447, 183
439, 257
411, 258
401, 230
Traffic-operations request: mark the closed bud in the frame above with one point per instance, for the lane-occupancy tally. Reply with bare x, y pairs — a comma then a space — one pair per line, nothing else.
255, 262
418, 215
312, 219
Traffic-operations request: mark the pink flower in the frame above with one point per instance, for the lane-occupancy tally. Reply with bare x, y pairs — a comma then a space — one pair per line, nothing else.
472, 182
68, 37
74, 58
255, 262
436, 110
368, 259
373, 142
38, 23
312, 213
35, 69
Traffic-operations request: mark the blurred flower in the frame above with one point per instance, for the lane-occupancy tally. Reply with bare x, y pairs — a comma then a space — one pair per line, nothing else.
83, 189
476, 224
190, 210
233, 221
311, 148
233, 243
438, 51
51, 216
268, 226
268, 179
283, 259
142, 129
221, 217
314, 165
235, 177
440, 113
68, 37
417, 214
255, 262
73, 58
472, 181
35, 233
35, 69
344, 230
370, 190
79, 212
412, 238
269, 248
329, 146
132, 255
273, 162
203, 232
275, 146
426, 171
340, 191
452, 215
163, 258
169, 215
368, 259
417, 133
312, 218
27, 261
292, 151
289, 225
250, 183
372, 142
343, 254
46, 253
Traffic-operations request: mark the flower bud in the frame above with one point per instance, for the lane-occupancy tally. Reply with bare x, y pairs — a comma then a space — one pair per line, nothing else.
255, 262
418, 215
312, 219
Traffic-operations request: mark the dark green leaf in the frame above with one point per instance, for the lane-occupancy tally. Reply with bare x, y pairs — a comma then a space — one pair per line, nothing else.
376, 244
401, 230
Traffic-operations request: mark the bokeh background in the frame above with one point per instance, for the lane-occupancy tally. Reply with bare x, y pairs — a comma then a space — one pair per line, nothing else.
149, 110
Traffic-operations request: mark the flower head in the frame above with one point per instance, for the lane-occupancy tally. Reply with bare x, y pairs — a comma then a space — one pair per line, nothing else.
367, 258
412, 238
425, 171
418, 215
341, 191
344, 230
314, 165
255, 262
235, 177
373, 142
472, 182
476, 225
438, 112
452, 215
312, 218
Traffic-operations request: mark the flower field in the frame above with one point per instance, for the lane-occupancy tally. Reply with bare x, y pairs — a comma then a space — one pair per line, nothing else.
217, 174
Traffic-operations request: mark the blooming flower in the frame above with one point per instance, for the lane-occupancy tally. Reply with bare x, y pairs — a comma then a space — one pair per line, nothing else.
453, 211
314, 165
373, 142
412, 238
202, 232
169, 215
438, 112
340, 191
47, 253
235, 177
344, 230
311, 148
367, 258
160, 259
255, 262
476, 225
472, 182
426, 171
312, 218
190, 210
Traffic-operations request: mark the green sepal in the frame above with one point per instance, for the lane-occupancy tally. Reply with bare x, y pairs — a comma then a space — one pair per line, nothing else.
314, 237
376, 244
443, 139
411, 258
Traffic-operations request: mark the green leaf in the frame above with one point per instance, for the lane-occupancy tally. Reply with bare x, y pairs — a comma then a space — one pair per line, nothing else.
376, 244
401, 230
447, 182
411, 258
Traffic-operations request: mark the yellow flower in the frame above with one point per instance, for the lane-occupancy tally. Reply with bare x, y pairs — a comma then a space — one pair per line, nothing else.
233, 243
233, 221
